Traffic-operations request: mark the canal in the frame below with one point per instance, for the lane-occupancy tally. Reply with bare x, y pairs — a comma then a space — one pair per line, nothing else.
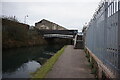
21, 62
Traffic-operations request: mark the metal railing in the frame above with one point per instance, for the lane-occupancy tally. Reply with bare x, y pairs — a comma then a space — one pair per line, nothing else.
103, 34
58, 36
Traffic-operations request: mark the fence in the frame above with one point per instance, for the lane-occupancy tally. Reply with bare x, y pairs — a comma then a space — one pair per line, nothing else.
103, 35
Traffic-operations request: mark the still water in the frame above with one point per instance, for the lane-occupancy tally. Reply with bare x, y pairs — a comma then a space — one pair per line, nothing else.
21, 62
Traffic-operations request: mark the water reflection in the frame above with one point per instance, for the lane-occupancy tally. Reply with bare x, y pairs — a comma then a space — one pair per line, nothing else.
19, 62
23, 71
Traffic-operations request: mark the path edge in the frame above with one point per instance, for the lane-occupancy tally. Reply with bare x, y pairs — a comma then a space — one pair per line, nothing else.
45, 68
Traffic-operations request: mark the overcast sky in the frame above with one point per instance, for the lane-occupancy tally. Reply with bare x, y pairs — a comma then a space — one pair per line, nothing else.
71, 14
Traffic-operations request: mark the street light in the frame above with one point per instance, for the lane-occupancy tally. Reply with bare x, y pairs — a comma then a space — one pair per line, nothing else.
25, 18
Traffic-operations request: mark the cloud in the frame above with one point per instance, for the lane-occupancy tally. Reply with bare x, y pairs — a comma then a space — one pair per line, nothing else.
70, 14
50, 1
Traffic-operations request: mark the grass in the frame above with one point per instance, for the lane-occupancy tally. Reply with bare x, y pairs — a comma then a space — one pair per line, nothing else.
92, 64
43, 70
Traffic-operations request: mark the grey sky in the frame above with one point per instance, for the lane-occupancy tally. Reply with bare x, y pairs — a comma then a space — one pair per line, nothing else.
71, 14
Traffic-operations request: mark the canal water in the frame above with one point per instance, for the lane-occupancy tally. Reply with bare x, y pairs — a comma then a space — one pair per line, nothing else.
21, 62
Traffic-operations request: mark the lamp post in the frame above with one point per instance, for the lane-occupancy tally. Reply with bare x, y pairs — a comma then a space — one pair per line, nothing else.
25, 19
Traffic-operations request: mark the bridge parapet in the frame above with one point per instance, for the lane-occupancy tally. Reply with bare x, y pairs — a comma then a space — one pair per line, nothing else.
58, 36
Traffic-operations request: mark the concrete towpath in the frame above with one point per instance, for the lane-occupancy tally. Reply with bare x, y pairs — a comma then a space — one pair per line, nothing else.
71, 64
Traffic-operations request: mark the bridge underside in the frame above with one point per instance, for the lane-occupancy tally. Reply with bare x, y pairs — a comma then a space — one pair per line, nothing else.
64, 41
66, 32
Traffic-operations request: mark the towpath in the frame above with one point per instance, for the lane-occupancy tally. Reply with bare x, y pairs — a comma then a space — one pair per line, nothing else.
71, 64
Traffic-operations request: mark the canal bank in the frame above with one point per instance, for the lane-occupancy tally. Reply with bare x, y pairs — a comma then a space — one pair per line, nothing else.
42, 71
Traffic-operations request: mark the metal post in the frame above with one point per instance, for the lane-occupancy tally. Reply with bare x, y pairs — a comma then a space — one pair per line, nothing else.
25, 19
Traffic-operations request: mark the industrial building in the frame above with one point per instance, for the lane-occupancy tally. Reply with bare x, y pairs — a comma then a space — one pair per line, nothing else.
47, 25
